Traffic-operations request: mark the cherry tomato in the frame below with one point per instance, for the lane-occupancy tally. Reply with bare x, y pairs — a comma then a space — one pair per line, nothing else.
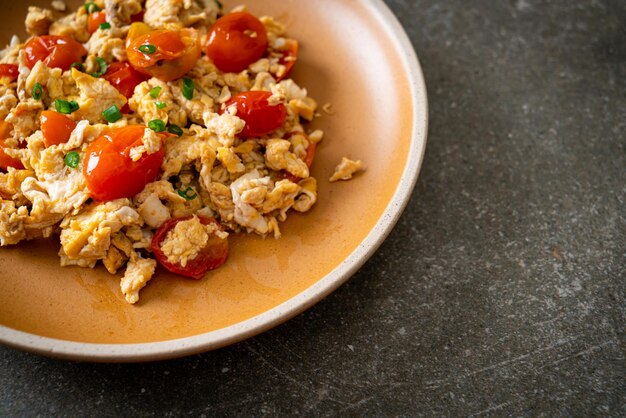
9, 70
5, 160
124, 77
94, 21
55, 127
211, 256
137, 17
54, 51
236, 41
288, 57
109, 170
255, 110
164, 54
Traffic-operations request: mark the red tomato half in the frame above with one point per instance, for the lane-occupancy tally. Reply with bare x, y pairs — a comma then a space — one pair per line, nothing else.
94, 21
9, 70
54, 51
124, 77
212, 255
109, 170
5, 160
255, 110
236, 41
55, 127
164, 54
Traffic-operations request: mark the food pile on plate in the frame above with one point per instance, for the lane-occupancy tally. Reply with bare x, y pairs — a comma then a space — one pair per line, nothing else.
141, 131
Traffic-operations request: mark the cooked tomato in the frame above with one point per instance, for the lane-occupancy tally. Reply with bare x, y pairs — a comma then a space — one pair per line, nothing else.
94, 21
9, 70
236, 41
109, 170
55, 127
288, 57
261, 118
54, 51
124, 77
164, 54
210, 257
5, 160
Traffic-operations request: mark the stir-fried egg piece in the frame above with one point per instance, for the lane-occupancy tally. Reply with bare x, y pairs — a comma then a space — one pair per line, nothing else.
73, 25
86, 237
346, 169
187, 239
120, 12
245, 214
95, 96
108, 44
38, 21
138, 272
278, 157
145, 105
173, 14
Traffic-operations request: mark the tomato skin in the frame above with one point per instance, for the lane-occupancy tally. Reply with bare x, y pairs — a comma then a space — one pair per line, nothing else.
5, 160
55, 51
255, 110
124, 77
230, 45
109, 170
288, 57
94, 21
176, 51
55, 127
212, 256
9, 70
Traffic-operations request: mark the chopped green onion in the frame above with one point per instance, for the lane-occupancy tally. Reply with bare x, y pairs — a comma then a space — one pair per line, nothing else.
105, 25
175, 129
37, 91
157, 125
147, 49
65, 107
154, 93
160, 105
72, 159
92, 7
187, 194
188, 88
79, 66
112, 114
102, 65
219, 4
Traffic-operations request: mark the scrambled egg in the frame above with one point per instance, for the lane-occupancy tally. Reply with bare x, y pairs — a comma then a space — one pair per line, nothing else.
247, 185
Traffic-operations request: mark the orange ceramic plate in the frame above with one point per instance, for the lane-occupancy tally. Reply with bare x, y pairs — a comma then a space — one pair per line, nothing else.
355, 56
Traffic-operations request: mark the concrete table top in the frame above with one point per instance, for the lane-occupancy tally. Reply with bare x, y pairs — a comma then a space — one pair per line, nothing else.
500, 292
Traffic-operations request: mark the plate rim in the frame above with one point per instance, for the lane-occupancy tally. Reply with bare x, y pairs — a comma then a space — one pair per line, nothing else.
180, 347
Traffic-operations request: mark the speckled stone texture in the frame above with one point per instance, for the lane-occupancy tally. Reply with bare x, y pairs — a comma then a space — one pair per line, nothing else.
500, 292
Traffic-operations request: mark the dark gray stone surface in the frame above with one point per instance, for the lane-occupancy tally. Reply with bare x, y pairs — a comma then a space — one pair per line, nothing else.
500, 292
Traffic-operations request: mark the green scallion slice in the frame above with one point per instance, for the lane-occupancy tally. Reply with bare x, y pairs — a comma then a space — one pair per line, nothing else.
65, 107
92, 7
105, 25
154, 93
112, 114
72, 159
175, 129
37, 91
188, 88
157, 125
147, 49
160, 105
102, 67
78, 65
188, 193
219, 4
